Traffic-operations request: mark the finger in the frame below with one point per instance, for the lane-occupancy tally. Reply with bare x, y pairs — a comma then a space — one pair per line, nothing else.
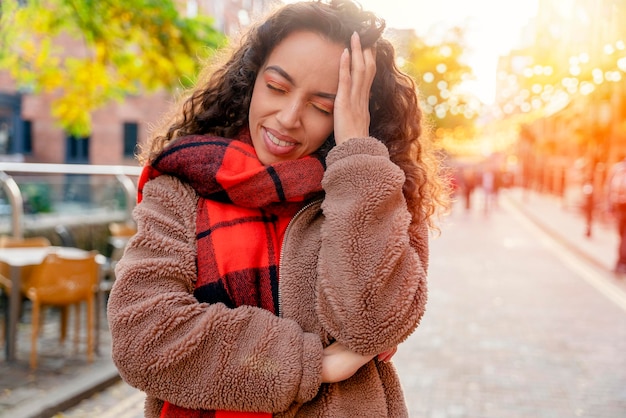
384, 357
358, 62
355, 45
363, 60
344, 74
369, 56
359, 86
387, 355
345, 82
363, 70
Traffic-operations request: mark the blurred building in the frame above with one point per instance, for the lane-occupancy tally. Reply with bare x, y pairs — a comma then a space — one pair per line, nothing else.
29, 132
566, 88
230, 15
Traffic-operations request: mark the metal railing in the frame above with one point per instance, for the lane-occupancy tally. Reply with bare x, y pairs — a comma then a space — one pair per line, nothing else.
122, 173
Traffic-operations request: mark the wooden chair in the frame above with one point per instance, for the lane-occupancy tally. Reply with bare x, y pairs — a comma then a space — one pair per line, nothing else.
7, 241
63, 282
122, 229
65, 235
120, 232
11, 242
5, 279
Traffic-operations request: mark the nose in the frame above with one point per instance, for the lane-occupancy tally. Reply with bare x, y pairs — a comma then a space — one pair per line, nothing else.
289, 115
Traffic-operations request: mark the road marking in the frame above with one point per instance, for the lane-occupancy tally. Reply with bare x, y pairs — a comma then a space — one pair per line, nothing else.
597, 280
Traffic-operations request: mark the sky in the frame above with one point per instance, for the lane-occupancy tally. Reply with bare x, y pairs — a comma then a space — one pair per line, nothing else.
494, 28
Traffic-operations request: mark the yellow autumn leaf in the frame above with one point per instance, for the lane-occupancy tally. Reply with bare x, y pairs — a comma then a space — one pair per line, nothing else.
127, 51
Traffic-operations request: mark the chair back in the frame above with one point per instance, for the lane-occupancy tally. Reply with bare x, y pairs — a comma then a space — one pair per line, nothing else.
65, 235
62, 280
122, 229
12, 242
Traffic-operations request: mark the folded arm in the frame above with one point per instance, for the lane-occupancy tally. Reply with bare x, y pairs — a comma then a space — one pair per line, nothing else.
193, 354
372, 264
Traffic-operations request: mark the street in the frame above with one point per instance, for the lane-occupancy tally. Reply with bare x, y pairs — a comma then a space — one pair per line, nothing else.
516, 327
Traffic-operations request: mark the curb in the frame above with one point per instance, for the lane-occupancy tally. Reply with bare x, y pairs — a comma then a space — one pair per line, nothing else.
557, 236
68, 394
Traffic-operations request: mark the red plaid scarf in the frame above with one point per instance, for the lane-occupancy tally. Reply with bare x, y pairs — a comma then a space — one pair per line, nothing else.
240, 198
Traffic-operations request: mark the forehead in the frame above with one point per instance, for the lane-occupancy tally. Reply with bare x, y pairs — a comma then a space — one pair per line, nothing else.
307, 57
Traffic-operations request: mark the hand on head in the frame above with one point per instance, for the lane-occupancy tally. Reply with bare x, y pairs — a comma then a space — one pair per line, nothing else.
356, 75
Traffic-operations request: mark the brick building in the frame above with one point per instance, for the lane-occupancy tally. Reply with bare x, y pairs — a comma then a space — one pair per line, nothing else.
29, 132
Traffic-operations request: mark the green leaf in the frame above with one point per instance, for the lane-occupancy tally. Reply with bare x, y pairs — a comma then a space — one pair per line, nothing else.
122, 51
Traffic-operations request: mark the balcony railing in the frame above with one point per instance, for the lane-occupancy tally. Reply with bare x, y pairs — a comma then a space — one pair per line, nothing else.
65, 189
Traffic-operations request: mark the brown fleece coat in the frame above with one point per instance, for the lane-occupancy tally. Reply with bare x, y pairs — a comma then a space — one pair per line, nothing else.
353, 269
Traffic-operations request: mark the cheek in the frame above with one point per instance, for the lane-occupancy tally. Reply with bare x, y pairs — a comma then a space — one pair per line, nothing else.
253, 106
322, 131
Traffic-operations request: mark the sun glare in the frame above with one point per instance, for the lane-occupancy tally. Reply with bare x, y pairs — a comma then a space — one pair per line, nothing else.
493, 27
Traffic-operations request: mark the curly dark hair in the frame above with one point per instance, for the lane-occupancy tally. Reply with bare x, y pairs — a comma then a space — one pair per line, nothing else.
219, 104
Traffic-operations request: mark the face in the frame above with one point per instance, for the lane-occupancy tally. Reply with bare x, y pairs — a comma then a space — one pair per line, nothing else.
291, 111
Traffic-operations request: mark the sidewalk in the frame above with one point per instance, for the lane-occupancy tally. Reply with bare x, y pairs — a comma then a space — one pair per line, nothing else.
64, 378
567, 224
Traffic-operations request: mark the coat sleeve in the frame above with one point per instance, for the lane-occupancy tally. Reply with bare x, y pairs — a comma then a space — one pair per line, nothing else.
198, 355
372, 265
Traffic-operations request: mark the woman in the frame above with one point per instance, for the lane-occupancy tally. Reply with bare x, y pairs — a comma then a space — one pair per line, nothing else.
282, 243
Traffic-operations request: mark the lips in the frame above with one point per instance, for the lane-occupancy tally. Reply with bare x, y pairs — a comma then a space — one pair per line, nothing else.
277, 141
272, 147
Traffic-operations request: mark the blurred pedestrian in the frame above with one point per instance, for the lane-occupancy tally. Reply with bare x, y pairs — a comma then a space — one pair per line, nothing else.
301, 155
616, 193
488, 180
491, 183
469, 184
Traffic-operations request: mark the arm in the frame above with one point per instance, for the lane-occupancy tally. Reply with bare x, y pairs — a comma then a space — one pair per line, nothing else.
372, 289
372, 264
194, 354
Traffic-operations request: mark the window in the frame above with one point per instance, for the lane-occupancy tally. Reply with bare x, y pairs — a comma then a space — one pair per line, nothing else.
28, 137
10, 124
131, 137
77, 150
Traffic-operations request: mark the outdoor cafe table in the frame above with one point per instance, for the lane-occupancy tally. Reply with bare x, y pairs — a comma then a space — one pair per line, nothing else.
16, 259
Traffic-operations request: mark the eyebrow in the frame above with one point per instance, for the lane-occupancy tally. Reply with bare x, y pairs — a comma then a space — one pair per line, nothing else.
284, 74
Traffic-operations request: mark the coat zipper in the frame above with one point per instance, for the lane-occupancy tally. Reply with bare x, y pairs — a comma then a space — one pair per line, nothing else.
282, 250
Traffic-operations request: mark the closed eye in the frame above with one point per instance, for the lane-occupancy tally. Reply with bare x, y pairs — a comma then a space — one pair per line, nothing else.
276, 87
327, 110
